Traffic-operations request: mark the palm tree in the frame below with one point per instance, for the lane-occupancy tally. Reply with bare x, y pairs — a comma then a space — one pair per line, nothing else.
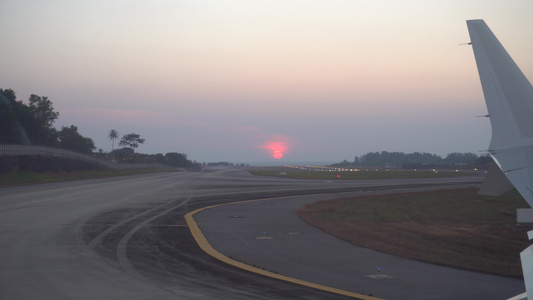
113, 135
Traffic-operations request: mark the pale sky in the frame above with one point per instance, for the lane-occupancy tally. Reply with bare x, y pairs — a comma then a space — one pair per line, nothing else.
325, 80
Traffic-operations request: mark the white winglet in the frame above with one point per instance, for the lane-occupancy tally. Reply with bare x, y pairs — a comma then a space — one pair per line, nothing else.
509, 98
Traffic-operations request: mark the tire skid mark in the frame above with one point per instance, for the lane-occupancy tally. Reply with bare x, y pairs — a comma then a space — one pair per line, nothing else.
122, 246
163, 209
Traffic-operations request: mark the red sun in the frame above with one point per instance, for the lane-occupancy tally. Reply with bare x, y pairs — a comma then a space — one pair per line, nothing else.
277, 148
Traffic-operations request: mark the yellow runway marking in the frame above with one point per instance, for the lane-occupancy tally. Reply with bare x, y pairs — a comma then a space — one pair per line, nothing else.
206, 247
123, 225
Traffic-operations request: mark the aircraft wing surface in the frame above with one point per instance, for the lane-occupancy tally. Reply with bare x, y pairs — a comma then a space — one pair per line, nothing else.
509, 98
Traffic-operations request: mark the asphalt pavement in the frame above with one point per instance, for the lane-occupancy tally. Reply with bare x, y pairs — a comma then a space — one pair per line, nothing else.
127, 238
268, 234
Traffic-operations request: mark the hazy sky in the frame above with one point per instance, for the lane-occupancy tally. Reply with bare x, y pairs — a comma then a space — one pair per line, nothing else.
319, 80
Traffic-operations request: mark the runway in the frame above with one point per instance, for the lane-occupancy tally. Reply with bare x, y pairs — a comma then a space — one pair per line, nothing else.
126, 238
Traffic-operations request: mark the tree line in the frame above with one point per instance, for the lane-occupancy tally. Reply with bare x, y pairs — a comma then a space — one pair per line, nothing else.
127, 155
32, 124
417, 160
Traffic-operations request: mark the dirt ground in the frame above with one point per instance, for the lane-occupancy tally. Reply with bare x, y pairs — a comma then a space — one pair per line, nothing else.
455, 228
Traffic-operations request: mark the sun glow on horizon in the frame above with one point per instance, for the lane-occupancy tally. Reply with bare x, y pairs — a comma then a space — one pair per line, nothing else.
277, 146
258, 81
277, 154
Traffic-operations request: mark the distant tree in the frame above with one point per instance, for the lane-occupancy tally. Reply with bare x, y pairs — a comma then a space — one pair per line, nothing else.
458, 158
484, 160
178, 160
37, 118
70, 139
131, 140
385, 158
160, 158
9, 94
21, 123
8, 133
42, 110
123, 153
113, 135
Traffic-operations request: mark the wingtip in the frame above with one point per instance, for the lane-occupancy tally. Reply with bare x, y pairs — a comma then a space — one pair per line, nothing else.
475, 21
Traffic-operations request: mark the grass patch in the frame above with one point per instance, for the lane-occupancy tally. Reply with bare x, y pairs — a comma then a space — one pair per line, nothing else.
26, 178
353, 175
455, 228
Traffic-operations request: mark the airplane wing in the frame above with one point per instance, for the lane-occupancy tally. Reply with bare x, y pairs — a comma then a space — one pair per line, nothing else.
509, 98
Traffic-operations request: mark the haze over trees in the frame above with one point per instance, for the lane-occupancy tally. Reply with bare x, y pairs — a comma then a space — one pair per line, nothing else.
177, 160
416, 160
32, 123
